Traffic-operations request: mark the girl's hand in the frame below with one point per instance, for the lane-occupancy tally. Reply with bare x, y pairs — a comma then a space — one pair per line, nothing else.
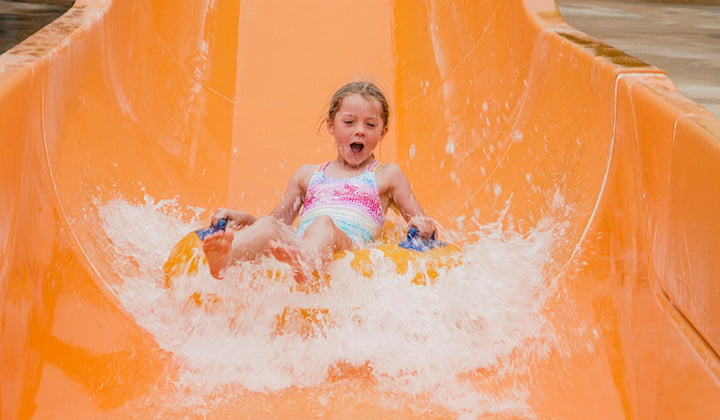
235, 219
425, 225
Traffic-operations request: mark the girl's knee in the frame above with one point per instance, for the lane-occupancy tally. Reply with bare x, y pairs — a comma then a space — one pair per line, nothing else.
322, 222
325, 229
253, 240
268, 225
322, 226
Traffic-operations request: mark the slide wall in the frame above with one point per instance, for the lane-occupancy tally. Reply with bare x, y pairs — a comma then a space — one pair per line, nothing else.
500, 112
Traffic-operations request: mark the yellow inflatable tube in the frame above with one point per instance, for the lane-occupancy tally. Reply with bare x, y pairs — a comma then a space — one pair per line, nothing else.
188, 259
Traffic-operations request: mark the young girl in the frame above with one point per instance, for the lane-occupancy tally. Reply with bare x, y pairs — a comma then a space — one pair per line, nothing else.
342, 203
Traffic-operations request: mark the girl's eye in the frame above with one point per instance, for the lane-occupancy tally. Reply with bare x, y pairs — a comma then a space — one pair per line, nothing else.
371, 125
348, 122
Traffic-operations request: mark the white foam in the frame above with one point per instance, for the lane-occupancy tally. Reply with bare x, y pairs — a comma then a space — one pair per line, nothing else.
421, 341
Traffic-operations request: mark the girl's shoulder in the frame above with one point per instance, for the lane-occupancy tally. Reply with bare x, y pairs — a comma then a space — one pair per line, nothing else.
389, 175
304, 173
307, 168
388, 170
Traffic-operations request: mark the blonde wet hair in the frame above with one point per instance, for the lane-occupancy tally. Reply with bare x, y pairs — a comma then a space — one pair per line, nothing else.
367, 90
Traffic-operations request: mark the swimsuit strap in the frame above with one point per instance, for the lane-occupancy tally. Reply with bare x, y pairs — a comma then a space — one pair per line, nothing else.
373, 166
321, 167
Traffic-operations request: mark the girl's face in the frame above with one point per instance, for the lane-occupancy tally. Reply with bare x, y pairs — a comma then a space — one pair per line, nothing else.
358, 128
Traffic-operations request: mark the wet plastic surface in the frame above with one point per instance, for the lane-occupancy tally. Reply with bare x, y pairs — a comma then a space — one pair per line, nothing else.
495, 102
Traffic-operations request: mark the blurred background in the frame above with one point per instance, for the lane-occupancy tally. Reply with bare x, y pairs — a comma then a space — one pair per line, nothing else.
680, 37
21, 18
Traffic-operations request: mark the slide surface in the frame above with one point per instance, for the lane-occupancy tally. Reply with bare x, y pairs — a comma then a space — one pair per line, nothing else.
581, 187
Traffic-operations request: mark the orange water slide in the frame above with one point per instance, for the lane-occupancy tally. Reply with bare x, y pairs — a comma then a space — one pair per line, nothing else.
500, 110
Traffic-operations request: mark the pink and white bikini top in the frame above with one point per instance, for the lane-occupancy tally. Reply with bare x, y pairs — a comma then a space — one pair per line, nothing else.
352, 203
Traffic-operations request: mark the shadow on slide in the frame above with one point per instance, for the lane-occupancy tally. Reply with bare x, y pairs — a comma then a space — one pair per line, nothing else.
579, 184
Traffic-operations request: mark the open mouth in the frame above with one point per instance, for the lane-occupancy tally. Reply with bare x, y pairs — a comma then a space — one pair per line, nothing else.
357, 147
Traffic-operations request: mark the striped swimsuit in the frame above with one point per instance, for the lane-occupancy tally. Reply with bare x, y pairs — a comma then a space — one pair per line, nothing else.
353, 204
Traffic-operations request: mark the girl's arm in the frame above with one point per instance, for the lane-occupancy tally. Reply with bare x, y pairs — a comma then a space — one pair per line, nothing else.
292, 200
286, 210
400, 193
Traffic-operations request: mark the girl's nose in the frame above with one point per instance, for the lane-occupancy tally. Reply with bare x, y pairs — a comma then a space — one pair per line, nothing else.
359, 130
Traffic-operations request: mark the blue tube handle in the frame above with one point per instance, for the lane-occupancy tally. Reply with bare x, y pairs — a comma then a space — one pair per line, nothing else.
204, 233
417, 243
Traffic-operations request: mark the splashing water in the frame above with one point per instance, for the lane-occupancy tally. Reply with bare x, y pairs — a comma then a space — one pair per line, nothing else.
447, 344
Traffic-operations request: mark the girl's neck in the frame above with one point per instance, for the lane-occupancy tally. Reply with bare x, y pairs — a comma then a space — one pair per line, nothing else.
342, 168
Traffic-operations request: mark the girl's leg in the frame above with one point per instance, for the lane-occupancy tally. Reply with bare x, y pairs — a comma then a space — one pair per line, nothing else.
223, 248
321, 239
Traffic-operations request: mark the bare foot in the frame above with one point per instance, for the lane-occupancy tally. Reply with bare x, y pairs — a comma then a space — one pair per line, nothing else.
217, 250
292, 256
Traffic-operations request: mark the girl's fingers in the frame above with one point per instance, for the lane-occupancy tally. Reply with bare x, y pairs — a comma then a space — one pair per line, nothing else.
425, 225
